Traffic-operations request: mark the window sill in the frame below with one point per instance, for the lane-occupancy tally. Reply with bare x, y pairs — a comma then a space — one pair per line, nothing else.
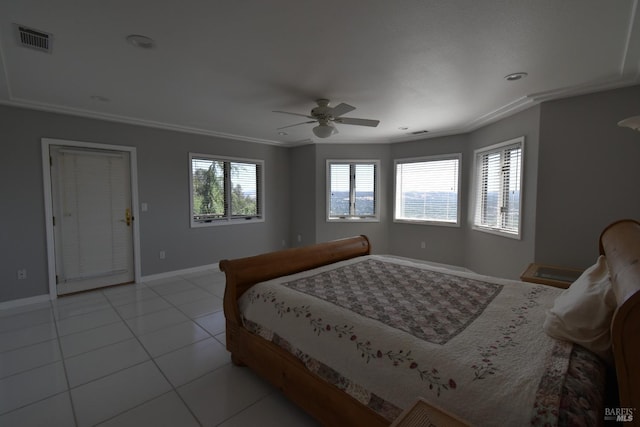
433, 223
223, 222
353, 220
498, 232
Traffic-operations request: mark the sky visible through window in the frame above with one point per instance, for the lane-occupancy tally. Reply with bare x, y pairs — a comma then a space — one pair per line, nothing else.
244, 174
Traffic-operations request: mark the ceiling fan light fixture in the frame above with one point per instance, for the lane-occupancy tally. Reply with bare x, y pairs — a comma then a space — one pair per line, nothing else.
631, 122
324, 130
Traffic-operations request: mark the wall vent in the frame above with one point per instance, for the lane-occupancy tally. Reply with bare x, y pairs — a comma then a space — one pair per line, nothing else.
34, 39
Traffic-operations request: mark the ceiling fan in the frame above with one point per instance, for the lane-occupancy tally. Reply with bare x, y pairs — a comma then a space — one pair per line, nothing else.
326, 115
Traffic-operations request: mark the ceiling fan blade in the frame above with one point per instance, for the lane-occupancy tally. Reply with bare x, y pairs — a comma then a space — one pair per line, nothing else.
359, 122
341, 109
297, 124
293, 114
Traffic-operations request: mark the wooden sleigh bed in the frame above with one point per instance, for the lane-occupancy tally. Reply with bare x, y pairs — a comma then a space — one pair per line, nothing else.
331, 405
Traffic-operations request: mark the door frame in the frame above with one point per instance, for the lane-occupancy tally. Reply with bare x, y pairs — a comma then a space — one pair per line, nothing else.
48, 203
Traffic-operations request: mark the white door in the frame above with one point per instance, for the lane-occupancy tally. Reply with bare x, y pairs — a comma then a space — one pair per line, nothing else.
93, 233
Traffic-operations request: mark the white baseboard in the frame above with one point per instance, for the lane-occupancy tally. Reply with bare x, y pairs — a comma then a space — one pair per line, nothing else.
45, 298
176, 273
24, 301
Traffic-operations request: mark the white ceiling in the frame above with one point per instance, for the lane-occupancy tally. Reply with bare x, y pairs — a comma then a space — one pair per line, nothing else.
222, 67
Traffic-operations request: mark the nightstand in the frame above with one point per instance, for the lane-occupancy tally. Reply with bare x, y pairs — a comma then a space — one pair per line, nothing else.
422, 414
550, 275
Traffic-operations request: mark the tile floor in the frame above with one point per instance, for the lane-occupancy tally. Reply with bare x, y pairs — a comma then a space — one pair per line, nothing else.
150, 354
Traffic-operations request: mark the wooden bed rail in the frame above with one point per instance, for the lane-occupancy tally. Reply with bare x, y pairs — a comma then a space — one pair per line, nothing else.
620, 242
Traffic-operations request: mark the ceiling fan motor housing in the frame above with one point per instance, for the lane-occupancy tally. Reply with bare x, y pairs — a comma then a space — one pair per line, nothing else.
322, 111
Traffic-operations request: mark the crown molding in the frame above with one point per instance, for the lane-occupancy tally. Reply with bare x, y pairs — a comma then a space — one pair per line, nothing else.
499, 113
32, 105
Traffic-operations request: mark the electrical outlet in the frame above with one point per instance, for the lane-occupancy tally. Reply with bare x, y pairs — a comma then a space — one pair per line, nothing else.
22, 274
423, 245
163, 254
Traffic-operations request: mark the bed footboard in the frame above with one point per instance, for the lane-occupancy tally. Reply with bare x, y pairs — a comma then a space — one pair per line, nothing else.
243, 273
324, 401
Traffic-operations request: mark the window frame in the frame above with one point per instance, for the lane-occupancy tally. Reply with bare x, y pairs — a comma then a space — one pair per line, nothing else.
424, 159
376, 192
228, 219
501, 148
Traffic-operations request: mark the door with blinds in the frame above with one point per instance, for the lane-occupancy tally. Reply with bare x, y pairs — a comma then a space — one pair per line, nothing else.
93, 232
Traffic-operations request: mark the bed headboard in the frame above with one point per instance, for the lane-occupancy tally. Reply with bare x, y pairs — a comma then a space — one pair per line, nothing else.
620, 243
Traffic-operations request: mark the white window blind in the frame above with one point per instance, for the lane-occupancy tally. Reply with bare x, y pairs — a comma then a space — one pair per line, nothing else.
365, 185
352, 190
426, 190
499, 188
340, 189
223, 190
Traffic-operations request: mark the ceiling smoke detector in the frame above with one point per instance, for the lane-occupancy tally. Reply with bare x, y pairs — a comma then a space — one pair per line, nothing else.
33, 39
515, 76
143, 42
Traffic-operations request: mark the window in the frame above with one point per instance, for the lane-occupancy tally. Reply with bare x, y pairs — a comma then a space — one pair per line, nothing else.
426, 190
352, 190
225, 190
499, 188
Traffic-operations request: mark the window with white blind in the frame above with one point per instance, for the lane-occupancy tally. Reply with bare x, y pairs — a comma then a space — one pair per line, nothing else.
426, 190
498, 195
352, 190
225, 190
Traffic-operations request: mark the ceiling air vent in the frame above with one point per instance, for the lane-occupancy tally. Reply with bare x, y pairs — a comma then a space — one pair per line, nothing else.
34, 39
419, 132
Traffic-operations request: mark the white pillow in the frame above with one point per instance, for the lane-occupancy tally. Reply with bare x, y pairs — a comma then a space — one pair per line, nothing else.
582, 313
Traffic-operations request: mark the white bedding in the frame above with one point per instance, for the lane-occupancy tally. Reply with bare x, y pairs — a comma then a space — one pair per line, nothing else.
484, 358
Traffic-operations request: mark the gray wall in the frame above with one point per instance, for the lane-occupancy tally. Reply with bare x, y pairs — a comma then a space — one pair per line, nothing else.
588, 173
496, 255
163, 176
375, 231
479, 251
442, 244
303, 195
581, 172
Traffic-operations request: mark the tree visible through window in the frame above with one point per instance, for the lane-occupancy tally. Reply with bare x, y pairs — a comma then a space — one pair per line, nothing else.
225, 189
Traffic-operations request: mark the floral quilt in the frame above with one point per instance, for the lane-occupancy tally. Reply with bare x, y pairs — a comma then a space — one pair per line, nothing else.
388, 331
